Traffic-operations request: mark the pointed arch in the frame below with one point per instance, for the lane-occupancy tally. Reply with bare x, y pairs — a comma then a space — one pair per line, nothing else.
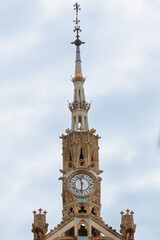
81, 155
70, 164
94, 211
83, 228
81, 158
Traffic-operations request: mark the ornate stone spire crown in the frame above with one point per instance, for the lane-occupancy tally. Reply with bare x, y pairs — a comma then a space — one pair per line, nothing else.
79, 107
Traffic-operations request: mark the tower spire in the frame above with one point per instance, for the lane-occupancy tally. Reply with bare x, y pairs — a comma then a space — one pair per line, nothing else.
79, 107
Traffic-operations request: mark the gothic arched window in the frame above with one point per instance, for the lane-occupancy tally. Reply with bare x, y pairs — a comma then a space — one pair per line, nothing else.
82, 231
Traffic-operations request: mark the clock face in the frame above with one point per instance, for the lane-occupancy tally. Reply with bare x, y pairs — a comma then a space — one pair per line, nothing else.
81, 184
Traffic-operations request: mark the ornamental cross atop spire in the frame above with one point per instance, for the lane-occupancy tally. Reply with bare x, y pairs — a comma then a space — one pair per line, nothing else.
77, 28
77, 7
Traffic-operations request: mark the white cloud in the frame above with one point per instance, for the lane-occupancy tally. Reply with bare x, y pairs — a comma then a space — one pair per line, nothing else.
53, 8
115, 147
149, 181
135, 40
131, 8
17, 46
16, 121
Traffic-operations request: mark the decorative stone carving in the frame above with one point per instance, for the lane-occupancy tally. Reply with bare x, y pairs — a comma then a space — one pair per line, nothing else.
68, 130
84, 149
93, 130
39, 227
84, 138
96, 197
67, 197
127, 225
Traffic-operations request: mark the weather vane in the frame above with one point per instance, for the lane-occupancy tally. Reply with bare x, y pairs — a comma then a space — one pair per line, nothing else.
77, 28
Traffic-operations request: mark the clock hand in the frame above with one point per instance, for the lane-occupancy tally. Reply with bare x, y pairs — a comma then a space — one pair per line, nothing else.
81, 183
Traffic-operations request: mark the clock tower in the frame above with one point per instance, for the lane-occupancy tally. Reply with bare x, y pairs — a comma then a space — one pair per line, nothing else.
81, 175
81, 181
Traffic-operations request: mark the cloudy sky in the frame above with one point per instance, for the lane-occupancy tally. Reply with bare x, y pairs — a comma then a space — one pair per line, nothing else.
121, 59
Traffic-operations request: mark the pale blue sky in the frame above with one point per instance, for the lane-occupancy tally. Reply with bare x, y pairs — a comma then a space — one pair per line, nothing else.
121, 61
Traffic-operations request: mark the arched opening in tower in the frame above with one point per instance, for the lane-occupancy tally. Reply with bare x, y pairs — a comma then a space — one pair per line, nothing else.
82, 231
70, 161
70, 157
79, 94
39, 234
79, 121
71, 211
128, 233
81, 155
81, 158
93, 211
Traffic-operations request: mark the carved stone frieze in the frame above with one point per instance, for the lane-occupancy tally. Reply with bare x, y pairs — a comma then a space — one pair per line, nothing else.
95, 198
67, 197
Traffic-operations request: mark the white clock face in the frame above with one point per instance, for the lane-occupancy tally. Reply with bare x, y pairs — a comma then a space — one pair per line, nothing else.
81, 184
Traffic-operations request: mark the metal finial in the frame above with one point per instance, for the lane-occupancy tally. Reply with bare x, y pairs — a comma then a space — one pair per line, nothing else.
77, 28
77, 7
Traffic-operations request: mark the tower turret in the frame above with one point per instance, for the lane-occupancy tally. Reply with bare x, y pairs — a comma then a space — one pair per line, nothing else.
39, 227
127, 225
79, 107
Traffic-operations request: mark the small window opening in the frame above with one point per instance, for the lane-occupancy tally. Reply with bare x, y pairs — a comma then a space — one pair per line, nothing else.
71, 210
93, 211
79, 94
70, 161
81, 155
82, 231
92, 158
80, 119
81, 159
39, 233
82, 210
70, 157
128, 233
